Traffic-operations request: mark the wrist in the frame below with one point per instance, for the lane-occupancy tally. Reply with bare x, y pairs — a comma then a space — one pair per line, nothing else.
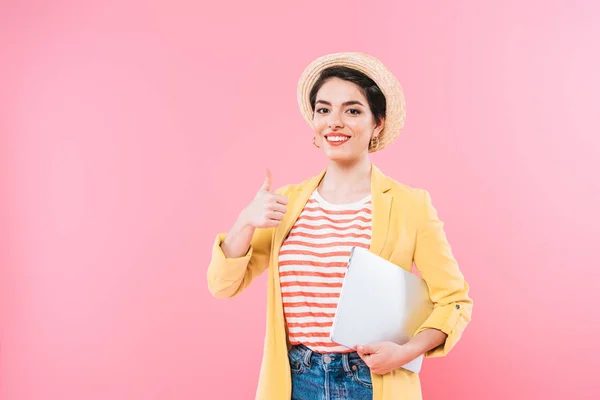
410, 351
243, 222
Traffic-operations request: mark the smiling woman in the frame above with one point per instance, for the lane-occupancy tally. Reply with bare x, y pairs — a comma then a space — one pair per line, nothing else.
303, 234
349, 104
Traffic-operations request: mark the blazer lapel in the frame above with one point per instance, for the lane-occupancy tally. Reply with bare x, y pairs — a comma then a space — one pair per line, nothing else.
382, 204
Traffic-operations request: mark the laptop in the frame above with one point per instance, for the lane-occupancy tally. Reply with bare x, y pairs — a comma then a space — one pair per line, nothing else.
379, 301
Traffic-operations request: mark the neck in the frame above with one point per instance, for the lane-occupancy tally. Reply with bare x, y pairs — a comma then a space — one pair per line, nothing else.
348, 176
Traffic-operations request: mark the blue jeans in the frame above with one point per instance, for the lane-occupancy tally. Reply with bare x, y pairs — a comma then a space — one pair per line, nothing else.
333, 376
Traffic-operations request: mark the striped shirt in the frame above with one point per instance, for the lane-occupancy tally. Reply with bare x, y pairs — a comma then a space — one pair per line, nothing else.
312, 264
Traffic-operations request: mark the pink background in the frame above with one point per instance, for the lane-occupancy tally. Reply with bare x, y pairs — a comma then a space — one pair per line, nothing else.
133, 132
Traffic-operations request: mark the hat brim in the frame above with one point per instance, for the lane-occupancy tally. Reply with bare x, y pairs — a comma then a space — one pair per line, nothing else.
395, 104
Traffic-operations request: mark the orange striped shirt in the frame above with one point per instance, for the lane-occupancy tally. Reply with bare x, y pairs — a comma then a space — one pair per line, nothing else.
312, 264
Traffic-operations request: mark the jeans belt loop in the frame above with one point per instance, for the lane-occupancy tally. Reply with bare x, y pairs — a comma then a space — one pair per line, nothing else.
307, 354
345, 362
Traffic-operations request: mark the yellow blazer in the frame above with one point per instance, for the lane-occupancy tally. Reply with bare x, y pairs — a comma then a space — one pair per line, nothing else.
405, 229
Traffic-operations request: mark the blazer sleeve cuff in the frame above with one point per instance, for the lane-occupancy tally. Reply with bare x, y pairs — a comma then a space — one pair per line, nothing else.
224, 271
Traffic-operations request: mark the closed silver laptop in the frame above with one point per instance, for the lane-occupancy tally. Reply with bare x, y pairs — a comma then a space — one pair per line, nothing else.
379, 301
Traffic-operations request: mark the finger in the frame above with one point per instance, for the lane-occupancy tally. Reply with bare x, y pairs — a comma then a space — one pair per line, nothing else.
276, 215
366, 348
268, 180
280, 199
271, 223
279, 208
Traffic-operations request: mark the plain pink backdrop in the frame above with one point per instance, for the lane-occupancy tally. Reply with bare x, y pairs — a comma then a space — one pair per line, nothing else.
133, 132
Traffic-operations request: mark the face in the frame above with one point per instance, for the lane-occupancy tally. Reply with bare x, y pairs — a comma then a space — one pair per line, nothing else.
343, 121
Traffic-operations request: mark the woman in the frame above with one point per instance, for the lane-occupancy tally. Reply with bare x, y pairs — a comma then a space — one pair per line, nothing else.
303, 234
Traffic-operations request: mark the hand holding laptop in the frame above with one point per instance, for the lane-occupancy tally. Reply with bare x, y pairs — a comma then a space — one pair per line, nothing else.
384, 357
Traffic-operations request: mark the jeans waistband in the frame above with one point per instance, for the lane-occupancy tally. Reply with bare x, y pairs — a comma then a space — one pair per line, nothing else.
309, 356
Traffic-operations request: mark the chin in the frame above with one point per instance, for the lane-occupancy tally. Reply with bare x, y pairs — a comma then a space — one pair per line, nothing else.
341, 156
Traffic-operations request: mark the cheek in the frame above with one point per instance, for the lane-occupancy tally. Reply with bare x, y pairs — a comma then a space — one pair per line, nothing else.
319, 125
360, 128
360, 125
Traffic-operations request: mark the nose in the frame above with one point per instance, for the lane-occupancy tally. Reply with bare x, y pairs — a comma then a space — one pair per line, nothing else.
334, 120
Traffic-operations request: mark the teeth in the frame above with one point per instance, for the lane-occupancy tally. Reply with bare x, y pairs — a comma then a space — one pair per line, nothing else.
337, 138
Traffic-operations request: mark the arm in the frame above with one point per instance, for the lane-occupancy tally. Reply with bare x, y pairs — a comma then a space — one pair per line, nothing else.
239, 256
425, 341
447, 287
448, 290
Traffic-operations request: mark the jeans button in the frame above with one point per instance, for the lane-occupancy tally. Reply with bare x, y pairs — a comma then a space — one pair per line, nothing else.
326, 359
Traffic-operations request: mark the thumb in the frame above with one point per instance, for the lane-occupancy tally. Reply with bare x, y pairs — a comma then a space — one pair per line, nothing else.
366, 348
268, 180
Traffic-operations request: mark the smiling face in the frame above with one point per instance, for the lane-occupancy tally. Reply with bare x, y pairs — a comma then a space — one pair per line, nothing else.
343, 121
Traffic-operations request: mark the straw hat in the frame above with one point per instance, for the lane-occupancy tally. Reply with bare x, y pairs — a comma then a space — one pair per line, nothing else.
374, 69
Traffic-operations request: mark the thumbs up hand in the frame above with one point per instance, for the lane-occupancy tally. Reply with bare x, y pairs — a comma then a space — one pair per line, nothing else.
267, 208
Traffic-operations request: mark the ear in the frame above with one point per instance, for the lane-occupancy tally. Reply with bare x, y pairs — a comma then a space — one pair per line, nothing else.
379, 127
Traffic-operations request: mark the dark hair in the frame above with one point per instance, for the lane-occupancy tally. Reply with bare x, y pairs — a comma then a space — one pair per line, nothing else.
369, 88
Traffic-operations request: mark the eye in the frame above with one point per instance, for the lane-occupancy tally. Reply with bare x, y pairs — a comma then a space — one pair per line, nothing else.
321, 111
354, 111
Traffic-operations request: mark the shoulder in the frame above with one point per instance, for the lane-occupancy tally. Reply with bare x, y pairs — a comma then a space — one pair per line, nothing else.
416, 200
402, 189
416, 196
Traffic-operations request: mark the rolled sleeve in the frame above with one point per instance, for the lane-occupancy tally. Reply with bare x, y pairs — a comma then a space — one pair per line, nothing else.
448, 290
229, 269
227, 277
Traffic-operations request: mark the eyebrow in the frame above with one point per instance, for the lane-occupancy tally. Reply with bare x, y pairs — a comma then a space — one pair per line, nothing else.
347, 103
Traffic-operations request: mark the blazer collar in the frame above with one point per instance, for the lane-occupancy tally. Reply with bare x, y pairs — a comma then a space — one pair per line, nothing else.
381, 200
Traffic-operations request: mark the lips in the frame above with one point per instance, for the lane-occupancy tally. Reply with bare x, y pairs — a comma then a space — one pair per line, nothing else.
336, 139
